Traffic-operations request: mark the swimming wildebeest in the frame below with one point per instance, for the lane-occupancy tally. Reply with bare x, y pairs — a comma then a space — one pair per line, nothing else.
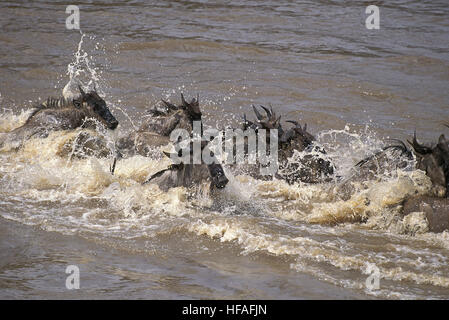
158, 125
434, 161
188, 174
299, 155
64, 114
155, 131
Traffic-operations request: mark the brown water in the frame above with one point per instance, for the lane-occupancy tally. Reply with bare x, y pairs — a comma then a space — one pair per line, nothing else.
314, 61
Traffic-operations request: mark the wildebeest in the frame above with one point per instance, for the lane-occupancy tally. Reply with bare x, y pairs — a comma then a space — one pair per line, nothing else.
300, 157
63, 114
434, 161
155, 131
158, 125
187, 174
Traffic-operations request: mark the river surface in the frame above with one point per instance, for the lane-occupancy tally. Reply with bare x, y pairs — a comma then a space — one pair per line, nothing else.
314, 61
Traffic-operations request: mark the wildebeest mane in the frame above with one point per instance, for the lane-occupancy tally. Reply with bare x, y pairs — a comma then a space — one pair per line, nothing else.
51, 103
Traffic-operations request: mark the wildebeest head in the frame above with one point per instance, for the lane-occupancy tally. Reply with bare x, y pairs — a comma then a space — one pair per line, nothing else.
192, 108
96, 107
188, 174
164, 121
298, 133
434, 160
217, 175
269, 121
215, 170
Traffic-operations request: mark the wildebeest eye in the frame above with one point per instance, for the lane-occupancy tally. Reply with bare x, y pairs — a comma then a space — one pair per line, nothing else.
77, 104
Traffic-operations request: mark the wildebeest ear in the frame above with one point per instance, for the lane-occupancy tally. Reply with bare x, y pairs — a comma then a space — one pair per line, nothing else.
81, 91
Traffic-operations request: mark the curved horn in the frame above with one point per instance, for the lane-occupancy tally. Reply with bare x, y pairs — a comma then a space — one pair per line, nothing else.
258, 115
169, 105
417, 147
170, 155
269, 114
184, 102
294, 122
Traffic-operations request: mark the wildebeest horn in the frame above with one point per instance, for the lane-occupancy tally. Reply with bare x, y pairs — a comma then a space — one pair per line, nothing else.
297, 125
160, 173
269, 114
157, 174
400, 144
258, 115
168, 154
184, 102
81, 90
417, 147
169, 105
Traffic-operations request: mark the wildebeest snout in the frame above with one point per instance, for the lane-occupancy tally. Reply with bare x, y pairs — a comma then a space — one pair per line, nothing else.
219, 178
113, 124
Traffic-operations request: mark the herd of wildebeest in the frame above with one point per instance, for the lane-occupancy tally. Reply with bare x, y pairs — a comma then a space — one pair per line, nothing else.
89, 110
